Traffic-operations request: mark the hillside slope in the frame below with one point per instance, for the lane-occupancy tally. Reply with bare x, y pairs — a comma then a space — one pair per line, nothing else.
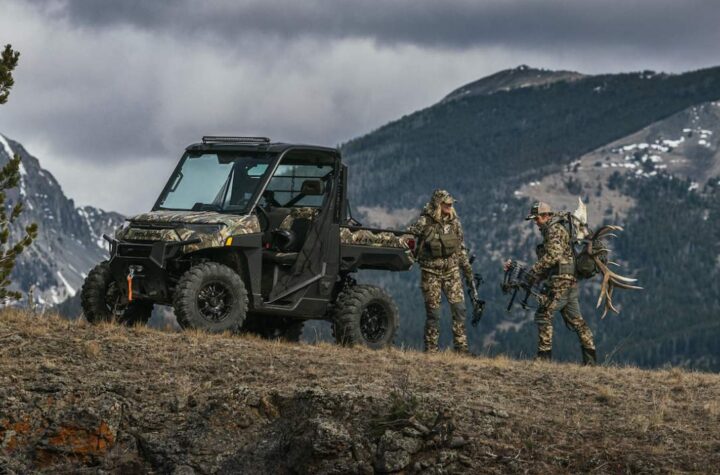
107, 398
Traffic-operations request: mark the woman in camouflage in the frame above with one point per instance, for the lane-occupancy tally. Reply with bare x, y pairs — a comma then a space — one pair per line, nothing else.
442, 254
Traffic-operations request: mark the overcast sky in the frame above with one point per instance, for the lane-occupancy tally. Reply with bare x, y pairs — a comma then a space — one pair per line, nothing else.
108, 93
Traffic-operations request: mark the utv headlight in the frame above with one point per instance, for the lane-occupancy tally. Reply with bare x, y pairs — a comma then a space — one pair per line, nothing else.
204, 228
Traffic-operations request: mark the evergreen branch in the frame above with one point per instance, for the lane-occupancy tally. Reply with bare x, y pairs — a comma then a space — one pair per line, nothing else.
8, 62
10, 178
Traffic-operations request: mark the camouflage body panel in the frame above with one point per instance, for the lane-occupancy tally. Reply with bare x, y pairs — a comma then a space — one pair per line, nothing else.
298, 213
306, 212
211, 228
365, 237
359, 237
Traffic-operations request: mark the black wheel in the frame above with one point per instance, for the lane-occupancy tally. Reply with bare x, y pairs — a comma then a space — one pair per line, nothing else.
365, 315
100, 299
274, 328
210, 297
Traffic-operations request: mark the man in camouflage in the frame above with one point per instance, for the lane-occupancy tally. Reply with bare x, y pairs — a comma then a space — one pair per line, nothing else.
556, 265
442, 254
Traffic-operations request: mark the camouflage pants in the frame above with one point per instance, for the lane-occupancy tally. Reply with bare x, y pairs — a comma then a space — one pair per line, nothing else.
563, 297
433, 286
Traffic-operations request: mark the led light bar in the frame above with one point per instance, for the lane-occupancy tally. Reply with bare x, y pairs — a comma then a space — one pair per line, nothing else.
225, 139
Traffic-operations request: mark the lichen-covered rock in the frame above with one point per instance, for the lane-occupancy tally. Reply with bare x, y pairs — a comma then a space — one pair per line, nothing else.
395, 451
79, 436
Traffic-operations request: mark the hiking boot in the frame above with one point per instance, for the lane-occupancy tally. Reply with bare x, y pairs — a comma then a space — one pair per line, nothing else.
589, 357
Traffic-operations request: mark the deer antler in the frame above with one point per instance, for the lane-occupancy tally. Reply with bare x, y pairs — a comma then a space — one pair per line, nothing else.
610, 281
606, 231
610, 278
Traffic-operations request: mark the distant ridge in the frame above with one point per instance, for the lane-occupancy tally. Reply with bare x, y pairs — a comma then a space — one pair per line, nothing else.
508, 79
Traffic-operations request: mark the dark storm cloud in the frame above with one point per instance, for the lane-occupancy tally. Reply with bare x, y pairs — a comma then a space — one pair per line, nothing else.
119, 87
645, 24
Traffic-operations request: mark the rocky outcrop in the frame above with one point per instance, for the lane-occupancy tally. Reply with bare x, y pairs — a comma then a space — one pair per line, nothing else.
53, 427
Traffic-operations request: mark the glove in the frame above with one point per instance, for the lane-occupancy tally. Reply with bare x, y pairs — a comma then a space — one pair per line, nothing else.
532, 279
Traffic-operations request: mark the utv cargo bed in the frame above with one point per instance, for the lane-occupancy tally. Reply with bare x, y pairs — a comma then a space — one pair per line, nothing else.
372, 248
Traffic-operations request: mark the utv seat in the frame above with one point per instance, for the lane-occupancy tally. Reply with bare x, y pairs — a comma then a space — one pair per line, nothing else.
285, 244
276, 216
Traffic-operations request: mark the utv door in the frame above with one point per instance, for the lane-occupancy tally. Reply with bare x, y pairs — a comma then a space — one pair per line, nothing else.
308, 285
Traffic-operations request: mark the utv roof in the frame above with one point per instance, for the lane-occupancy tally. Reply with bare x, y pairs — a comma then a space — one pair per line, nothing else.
211, 142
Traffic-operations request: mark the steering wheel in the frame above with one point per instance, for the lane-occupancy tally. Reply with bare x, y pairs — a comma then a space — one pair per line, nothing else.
269, 196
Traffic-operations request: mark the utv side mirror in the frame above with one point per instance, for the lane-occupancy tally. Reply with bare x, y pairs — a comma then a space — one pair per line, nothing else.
311, 188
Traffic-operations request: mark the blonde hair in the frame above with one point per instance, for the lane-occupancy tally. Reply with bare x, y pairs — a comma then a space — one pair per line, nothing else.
438, 216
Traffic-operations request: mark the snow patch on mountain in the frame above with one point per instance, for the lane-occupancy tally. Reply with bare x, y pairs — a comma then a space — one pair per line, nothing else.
684, 145
69, 288
6, 146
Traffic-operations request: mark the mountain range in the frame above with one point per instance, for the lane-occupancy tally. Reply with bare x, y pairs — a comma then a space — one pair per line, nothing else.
641, 149
69, 240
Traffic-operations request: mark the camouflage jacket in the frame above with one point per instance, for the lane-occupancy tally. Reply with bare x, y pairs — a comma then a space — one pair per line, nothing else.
554, 252
441, 265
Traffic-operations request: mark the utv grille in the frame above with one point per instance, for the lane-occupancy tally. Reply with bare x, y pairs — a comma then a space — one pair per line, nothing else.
134, 249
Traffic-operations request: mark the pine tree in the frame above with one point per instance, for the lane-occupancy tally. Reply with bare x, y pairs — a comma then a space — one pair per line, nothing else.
7, 63
10, 178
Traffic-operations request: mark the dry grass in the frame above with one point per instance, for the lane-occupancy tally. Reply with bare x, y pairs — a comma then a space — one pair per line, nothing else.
605, 394
91, 349
520, 415
712, 408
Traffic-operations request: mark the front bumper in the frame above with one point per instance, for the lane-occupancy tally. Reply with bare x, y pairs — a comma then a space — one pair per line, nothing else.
148, 264
159, 252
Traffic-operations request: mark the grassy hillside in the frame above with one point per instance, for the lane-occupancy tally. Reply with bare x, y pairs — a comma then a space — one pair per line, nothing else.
110, 399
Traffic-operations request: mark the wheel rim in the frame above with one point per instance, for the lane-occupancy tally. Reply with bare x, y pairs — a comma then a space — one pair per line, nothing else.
214, 302
374, 322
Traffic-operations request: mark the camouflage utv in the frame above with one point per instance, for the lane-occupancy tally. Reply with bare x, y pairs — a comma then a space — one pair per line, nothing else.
249, 235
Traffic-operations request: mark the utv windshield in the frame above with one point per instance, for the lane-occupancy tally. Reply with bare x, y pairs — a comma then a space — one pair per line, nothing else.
215, 181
